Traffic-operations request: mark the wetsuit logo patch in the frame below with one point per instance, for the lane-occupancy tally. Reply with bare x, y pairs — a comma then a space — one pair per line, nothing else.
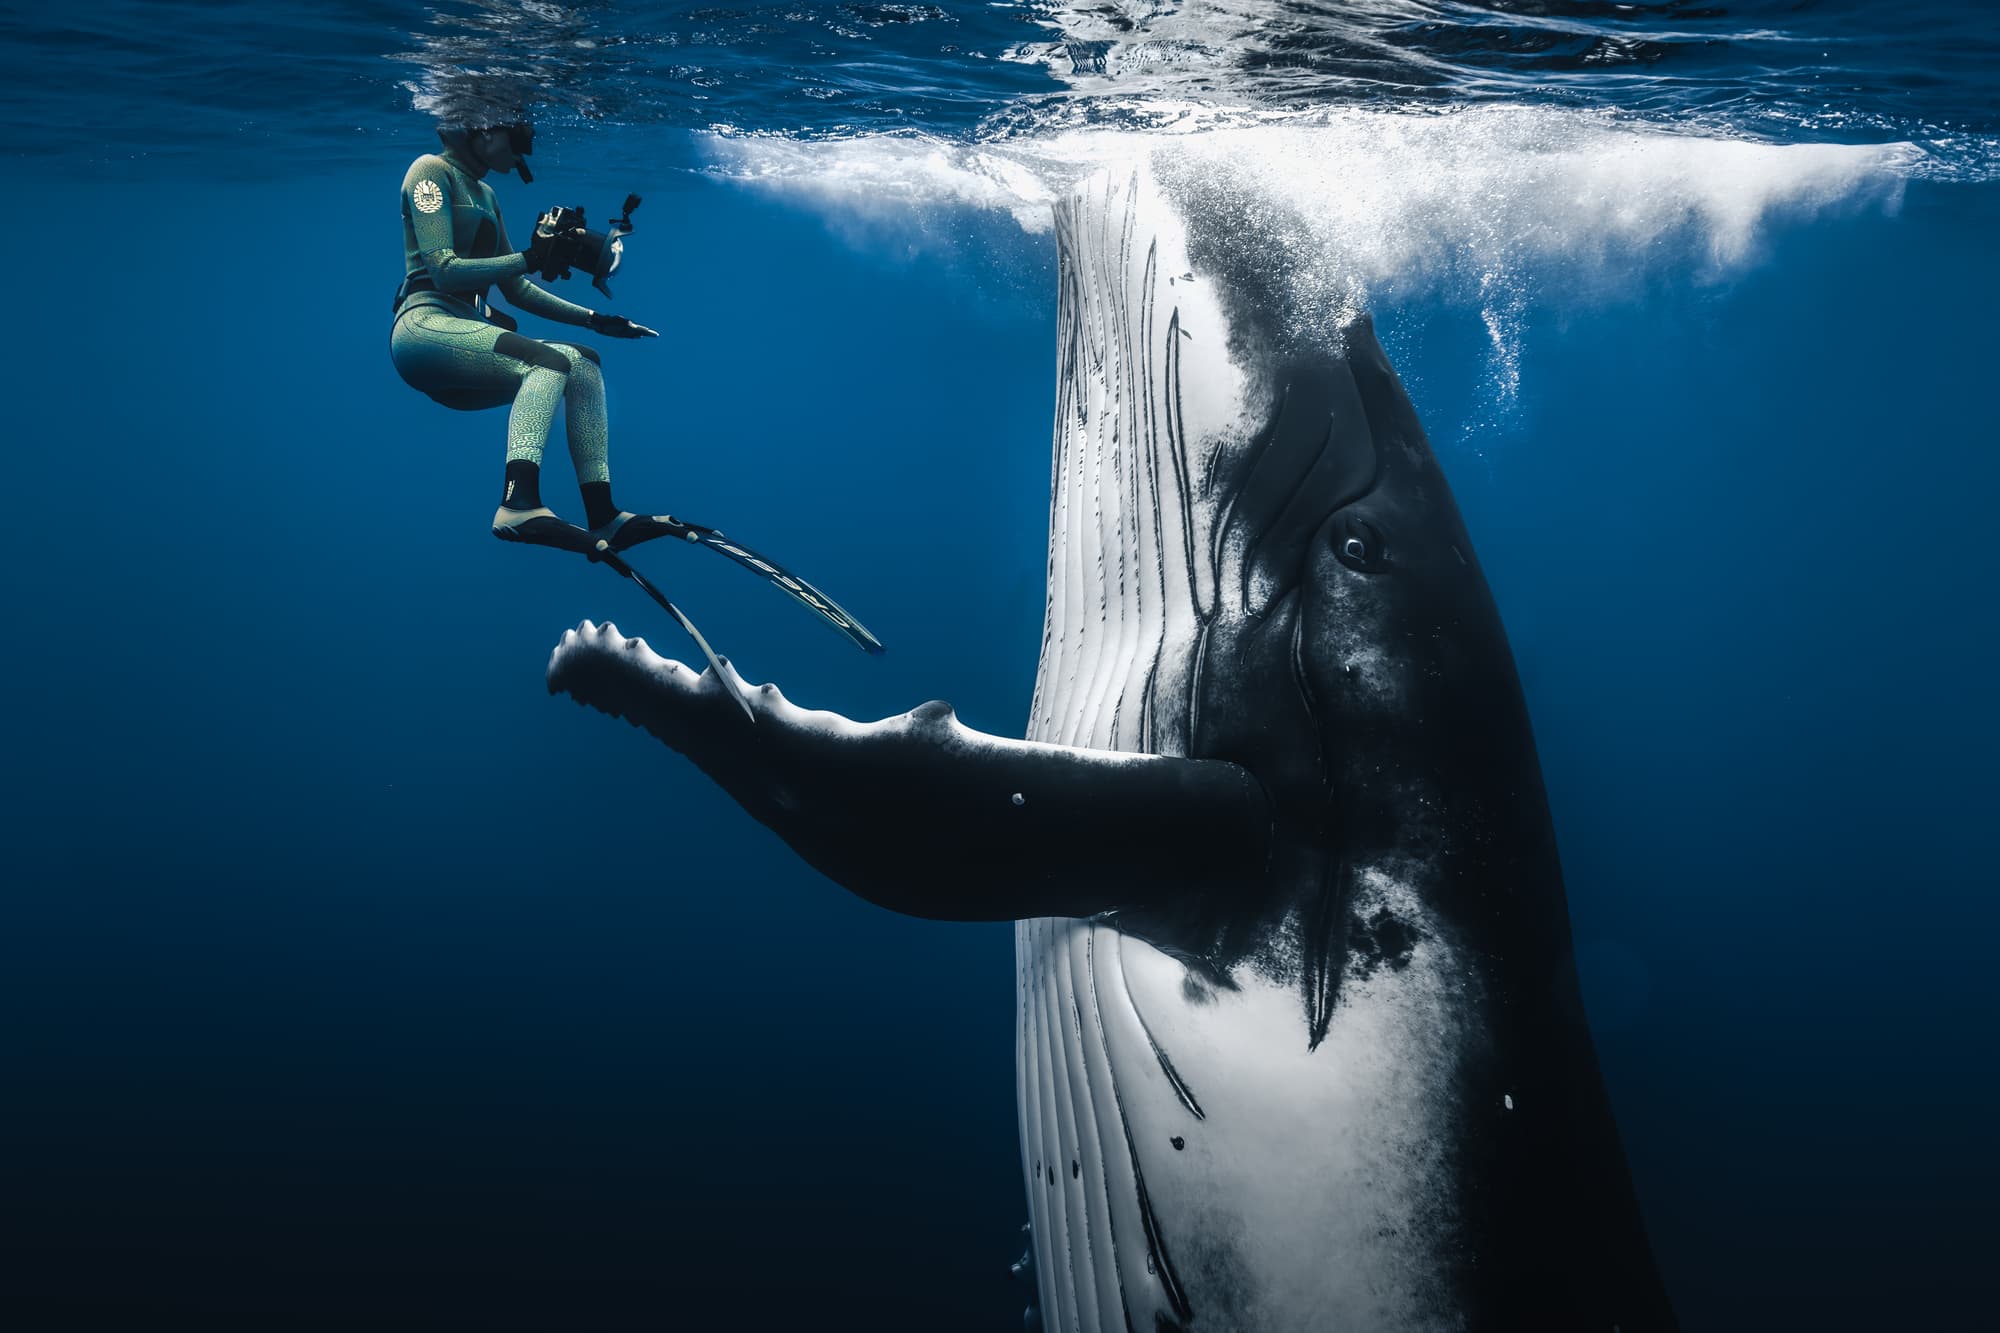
427, 197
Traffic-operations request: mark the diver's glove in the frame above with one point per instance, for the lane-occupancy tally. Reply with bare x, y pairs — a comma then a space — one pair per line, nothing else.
617, 326
550, 254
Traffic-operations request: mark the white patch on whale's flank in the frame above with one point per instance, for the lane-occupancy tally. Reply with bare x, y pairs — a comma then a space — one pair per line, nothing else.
1382, 889
1314, 1189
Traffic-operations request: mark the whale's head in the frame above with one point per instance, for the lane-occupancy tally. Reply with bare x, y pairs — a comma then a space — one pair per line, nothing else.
1338, 641
1402, 652
1255, 557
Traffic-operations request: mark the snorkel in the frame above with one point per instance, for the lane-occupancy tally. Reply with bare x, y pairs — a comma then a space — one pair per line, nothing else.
464, 141
521, 138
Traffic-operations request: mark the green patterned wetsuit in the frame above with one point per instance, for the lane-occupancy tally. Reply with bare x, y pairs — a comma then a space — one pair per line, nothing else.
443, 344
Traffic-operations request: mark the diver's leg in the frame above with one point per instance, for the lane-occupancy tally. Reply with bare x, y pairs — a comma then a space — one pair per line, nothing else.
544, 382
589, 450
543, 378
470, 365
528, 422
588, 424
453, 360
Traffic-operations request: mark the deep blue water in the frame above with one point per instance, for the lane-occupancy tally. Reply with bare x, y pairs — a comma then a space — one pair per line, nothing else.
349, 981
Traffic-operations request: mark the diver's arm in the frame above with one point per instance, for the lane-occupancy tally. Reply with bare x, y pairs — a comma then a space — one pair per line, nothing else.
525, 295
452, 272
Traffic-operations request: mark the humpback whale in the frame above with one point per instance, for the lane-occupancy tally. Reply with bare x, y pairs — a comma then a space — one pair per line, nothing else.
1300, 1039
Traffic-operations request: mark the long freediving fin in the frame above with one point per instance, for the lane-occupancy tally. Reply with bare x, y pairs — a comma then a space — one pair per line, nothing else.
800, 591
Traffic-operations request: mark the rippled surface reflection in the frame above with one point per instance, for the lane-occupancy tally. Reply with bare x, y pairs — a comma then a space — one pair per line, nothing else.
311, 80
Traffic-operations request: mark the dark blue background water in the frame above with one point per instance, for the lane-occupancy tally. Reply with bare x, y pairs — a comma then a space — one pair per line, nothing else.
349, 981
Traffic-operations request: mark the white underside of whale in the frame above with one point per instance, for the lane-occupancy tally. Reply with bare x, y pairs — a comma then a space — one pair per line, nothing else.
1289, 1188
1289, 1203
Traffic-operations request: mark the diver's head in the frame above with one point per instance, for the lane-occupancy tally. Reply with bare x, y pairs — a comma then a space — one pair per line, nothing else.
501, 148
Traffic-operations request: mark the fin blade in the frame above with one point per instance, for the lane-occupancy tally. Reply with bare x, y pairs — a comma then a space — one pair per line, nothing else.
726, 678
800, 591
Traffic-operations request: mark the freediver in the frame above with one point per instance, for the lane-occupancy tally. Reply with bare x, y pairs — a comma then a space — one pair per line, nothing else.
448, 342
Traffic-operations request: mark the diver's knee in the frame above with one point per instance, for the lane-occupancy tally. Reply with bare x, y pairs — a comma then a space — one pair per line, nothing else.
538, 354
584, 377
578, 350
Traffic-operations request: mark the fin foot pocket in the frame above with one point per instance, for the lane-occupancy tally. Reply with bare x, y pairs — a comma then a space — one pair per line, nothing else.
628, 530
540, 527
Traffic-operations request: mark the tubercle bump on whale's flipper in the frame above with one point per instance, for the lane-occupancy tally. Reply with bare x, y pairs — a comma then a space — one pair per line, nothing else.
923, 815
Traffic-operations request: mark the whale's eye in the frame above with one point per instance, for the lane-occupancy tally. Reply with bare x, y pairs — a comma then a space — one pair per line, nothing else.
1359, 545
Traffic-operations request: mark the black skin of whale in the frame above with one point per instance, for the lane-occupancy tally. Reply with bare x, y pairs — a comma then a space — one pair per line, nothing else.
1341, 531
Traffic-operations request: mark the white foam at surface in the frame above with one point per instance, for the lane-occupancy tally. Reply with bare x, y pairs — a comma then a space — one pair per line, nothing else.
1485, 204
885, 178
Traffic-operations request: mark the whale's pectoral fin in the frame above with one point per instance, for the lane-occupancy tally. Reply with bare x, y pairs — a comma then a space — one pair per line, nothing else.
922, 814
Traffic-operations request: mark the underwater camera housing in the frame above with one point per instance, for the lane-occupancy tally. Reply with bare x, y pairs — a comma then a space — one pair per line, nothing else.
597, 253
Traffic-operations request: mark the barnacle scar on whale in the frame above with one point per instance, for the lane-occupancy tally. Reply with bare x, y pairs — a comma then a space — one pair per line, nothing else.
1300, 1042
